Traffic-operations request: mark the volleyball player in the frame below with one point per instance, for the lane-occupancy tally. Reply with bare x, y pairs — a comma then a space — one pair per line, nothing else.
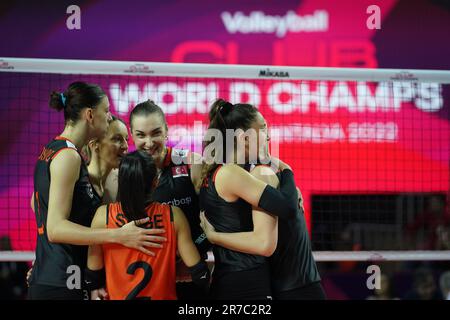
104, 157
178, 174
227, 195
64, 201
294, 274
130, 274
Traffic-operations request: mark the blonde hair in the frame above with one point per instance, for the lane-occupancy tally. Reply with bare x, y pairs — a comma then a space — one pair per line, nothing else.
86, 151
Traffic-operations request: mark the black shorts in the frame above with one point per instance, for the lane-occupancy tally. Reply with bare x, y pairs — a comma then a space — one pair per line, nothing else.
190, 291
44, 292
313, 291
251, 284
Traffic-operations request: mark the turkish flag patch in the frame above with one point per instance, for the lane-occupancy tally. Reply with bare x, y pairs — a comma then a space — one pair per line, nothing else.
180, 171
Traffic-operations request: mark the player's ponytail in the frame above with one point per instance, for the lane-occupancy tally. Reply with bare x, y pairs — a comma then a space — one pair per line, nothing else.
56, 101
137, 171
224, 115
76, 97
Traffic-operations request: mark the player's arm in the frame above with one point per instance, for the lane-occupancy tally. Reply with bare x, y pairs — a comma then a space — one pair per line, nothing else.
65, 170
263, 239
188, 252
95, 277
234, 182
95, 252
186, 248
196, 163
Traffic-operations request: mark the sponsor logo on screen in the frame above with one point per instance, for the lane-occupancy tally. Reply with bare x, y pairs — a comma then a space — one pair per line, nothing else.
259, 22
139, 68
273, 73
5, 65
405, 76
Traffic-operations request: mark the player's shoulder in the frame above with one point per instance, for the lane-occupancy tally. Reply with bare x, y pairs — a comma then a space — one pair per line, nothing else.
66, 159
62, 146
61, 142
228, 173
263, 169
265, 173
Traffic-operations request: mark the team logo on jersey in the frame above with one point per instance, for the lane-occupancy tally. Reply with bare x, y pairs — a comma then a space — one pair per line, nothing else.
180, 152
179, 156
180, 171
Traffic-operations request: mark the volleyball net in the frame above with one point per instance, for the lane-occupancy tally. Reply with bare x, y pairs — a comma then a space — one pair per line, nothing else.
370, 148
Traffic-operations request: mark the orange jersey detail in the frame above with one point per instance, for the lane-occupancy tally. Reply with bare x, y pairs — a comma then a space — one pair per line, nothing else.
131, 274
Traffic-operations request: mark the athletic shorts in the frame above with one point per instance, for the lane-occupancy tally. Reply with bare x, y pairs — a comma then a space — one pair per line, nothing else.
313, 291
251, 284
44, 292
190, 291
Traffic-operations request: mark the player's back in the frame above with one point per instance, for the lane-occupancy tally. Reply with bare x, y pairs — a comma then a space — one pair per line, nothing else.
131, 274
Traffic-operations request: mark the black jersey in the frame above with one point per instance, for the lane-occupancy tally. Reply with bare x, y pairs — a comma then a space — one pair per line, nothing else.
53, 259
228, 217
292, 264
175, 188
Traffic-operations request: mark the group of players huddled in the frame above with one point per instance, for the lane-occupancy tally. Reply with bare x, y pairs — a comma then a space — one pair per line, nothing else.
139, 225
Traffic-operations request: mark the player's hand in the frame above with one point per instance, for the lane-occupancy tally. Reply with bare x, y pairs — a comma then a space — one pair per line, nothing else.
99, 294
132, 236
283, 165
276, 163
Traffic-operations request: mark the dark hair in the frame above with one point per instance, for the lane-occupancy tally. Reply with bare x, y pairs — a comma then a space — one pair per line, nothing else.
137, 171
76, 97
146, 108
225, 115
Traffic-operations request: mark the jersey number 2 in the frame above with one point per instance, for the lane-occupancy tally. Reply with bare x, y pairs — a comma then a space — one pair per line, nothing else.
148, 272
